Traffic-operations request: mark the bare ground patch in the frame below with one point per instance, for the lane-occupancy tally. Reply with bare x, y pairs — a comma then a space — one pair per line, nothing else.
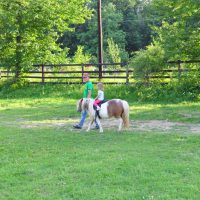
112, 124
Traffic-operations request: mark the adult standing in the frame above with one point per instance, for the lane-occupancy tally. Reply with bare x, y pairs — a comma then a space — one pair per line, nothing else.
88, 93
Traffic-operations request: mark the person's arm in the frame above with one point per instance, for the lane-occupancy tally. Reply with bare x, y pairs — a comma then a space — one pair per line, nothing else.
97, 96
89, 94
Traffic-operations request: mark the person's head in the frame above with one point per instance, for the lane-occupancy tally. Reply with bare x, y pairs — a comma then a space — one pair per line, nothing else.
85, 77
100, 86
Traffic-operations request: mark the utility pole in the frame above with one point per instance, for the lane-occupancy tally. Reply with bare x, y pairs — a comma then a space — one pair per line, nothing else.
100, 39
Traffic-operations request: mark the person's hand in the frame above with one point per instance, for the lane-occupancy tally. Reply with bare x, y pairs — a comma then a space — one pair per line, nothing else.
87, 99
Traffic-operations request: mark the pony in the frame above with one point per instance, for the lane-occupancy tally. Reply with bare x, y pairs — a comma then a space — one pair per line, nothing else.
116, 108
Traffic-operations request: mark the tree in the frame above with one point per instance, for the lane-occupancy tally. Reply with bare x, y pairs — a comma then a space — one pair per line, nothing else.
125, 21
179, 33
136, 26
30, 30
112, 20
113, 51
176, 37
80, 57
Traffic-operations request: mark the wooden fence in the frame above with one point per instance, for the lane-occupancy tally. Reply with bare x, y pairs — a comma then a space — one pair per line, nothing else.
112, 73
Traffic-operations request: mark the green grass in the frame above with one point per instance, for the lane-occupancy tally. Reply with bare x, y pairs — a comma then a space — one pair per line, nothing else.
187, 112
55, 164
42, 158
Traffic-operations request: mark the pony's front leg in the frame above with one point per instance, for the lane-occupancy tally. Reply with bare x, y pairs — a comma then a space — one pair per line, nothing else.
99, 123
120, 124
90, 124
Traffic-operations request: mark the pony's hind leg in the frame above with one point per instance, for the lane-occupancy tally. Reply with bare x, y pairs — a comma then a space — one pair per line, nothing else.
99, 123
120, 124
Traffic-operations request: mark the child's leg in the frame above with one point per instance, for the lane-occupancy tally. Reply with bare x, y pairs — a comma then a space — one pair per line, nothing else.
96, 104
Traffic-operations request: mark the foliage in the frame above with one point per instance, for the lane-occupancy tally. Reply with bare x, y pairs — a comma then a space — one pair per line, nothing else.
186, 89
179, 34
112, 19
176, 38
177, 91
133, 25
148, 61
80, 57
136, 25
124, 21
30, 30
12, 84
177, 41
113, 51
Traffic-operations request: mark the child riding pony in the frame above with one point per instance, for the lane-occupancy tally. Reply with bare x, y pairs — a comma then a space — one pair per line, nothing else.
116, 108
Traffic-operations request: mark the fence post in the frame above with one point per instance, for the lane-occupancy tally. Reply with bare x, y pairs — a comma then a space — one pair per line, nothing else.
43, 77
82, 72
127, 75
179, 69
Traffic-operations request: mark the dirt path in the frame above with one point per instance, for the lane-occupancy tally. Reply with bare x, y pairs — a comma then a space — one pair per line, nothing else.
135, 125
166, 126
154, 125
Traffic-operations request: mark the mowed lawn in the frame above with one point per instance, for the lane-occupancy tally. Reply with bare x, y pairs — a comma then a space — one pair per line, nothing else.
42, 157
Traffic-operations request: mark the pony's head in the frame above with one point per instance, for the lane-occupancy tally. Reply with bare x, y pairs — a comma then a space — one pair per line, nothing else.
82, 104
79, 105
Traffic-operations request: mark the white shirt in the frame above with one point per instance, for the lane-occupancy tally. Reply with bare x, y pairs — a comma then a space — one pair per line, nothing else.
100, 95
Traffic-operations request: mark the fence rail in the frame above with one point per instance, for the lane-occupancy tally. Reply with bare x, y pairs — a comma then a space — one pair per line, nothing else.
72, 73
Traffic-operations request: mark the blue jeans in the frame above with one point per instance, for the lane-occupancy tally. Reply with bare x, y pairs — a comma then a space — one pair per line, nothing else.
83, 117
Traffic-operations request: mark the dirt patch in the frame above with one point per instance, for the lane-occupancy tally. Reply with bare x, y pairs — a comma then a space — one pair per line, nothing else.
153, 126
112, 124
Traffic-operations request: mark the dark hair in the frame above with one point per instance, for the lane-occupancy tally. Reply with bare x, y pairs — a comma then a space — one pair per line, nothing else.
86, 74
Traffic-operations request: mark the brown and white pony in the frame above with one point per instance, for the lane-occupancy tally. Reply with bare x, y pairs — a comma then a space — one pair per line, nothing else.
113, 108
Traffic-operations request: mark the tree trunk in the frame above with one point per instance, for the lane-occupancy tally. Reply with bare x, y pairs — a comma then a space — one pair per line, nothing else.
18, 54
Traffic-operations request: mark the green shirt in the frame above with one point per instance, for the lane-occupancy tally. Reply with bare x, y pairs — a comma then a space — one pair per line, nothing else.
88, 86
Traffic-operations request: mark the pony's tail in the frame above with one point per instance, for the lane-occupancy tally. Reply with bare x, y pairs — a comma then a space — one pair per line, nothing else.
125, 114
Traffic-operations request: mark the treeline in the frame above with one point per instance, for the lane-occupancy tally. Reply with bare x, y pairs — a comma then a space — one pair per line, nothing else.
146, 33
126, 29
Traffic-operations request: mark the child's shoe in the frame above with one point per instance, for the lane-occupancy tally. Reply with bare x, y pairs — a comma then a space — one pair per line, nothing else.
98, 108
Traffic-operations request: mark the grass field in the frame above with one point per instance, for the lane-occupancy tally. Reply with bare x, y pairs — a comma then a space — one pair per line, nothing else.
42, 157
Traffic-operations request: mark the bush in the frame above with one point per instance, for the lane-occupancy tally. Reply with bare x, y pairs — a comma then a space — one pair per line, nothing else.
148, 61
177, 91
12, 84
